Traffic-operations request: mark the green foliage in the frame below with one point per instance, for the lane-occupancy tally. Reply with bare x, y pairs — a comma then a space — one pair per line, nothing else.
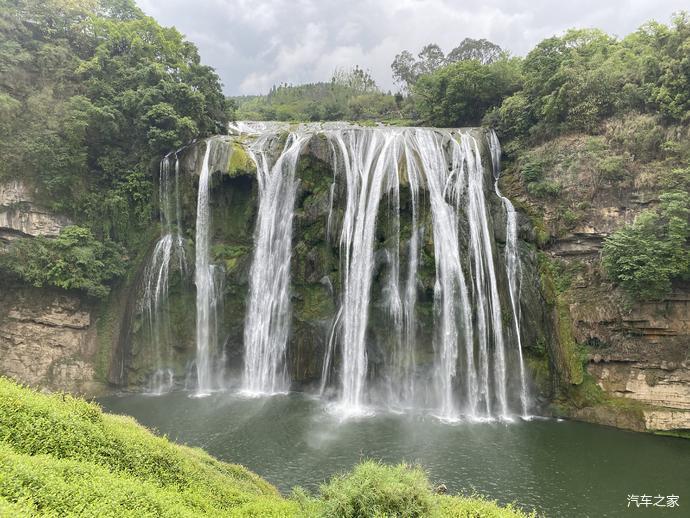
461, 93
575, 81
612, 168
90, 93
61, 456
645, 257
407, 69
351, 95
74, 260
373, 490
639, 135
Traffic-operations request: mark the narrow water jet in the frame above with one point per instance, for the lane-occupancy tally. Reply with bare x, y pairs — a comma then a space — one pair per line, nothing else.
513, 266
207, 292
156, 277
267, 321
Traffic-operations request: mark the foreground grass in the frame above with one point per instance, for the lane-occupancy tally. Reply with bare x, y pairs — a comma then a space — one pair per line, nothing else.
62, 456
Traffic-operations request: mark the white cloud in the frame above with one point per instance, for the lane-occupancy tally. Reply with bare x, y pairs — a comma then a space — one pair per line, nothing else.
254, 44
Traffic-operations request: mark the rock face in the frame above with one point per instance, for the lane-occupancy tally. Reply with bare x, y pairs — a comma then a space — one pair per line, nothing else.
639, 351
48, 340
21, 216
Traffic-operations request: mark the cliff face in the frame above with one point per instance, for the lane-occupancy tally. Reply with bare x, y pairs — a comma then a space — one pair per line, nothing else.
636, 353
47, 337
20, 215
48, 340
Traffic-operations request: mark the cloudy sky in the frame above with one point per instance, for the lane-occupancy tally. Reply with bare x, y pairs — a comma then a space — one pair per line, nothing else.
254, 44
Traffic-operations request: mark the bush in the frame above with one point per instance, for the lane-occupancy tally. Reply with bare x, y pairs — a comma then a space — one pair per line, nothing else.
639, 135
74, 260
612, 168
544, 189
373, 490
645, 257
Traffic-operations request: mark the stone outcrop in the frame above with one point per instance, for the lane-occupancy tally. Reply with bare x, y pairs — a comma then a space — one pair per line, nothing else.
21, 216
48, 340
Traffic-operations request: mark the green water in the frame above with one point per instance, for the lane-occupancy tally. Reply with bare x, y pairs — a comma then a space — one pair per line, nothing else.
559, 468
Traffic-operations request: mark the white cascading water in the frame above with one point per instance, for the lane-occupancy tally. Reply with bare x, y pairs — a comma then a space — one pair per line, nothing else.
207, 279
268, 313
470, 369
452, 311
513, 268
366, 160
156, 277
449, 165
484, 272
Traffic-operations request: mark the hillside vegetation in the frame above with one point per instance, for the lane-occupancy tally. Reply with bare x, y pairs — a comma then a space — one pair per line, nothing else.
92, 94
61, 456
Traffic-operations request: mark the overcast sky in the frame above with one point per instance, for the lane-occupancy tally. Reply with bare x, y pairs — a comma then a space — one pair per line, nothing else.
254, 44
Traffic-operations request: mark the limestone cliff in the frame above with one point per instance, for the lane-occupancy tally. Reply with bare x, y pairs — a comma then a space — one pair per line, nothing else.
20, 215
636, 353
48, 340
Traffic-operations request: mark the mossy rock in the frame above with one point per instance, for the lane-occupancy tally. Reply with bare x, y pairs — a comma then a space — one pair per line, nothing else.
240, 163
313, 302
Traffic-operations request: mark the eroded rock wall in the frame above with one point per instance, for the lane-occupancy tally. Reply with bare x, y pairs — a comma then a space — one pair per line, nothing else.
48, 340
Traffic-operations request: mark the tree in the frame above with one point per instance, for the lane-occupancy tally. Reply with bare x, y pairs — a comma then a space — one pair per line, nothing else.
460, 94
74, 260
94, 91
430, 58
357, 80
404, 69
481, 50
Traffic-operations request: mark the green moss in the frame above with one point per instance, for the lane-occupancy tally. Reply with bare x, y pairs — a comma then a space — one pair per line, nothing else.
229, 255
314, 302
315, 175
240, 162
538, 366
572, 358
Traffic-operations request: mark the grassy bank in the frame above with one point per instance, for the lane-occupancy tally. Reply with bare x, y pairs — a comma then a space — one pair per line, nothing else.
62, 456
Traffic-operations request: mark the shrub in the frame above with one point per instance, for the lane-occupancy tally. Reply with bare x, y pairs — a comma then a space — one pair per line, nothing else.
612, 168
640, 135
646, 256
374, 490
74, 260
544, 189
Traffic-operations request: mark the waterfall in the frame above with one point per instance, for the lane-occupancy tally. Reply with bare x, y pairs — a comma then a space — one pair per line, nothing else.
208, 290
409, 210
470, 365
268, 313
513, 268
452, 311
156, 277
367, 159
